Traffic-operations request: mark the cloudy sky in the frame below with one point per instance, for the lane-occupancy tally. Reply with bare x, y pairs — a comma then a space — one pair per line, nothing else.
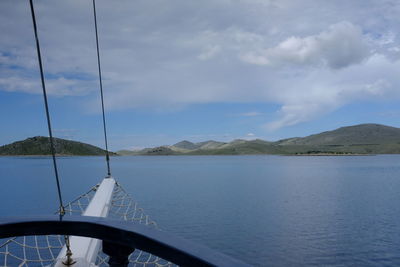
200, 70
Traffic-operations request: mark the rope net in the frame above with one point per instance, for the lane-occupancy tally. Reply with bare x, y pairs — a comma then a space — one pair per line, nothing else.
43, 250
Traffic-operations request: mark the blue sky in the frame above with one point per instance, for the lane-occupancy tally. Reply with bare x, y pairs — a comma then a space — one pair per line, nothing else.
220, 70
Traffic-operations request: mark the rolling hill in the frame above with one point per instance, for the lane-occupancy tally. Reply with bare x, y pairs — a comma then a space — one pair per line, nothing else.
357, 139
39, 145
350, 135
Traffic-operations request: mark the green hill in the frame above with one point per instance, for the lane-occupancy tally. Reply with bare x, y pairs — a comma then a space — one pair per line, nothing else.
358, 139
161, 150
351, 135
40, 145
211, 144
185, 145
240, 147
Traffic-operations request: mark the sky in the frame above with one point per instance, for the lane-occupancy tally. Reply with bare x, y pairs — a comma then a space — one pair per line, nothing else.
199, 70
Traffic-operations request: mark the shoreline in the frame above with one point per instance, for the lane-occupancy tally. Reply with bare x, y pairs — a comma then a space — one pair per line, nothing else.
283, 155
57, 155
336, 155
194, 155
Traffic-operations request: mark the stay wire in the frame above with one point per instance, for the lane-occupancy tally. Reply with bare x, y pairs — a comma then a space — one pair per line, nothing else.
69, 260
101, 90
53, 152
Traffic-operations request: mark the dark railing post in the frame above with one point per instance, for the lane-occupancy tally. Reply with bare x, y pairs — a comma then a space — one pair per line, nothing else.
119, 255
120, 239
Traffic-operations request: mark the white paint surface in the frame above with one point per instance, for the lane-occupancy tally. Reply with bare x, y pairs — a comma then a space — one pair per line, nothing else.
84, 250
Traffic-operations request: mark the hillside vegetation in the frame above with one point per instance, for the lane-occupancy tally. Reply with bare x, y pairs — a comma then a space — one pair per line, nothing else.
358, 139
40, 145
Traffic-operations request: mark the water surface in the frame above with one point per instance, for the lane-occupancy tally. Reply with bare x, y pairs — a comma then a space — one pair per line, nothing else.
264, 210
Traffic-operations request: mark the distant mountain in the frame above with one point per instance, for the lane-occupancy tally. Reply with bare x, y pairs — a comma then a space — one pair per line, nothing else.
210, 144
241, 147
358, 139
161, 150
185, 145
40, 145
350, 135
127, 152
179, 148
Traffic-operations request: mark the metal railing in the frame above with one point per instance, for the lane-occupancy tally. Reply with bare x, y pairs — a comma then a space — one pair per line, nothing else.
119, 239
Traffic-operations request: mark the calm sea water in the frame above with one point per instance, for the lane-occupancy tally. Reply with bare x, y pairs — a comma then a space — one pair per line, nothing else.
264, 210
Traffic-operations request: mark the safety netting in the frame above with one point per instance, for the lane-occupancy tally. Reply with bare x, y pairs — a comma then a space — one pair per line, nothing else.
43, 250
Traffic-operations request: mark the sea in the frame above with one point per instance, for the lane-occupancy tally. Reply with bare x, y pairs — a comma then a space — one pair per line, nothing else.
264, 210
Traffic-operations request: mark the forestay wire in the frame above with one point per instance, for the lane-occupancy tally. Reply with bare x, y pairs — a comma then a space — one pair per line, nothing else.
101, 90
43, 250
47, 106
53, 152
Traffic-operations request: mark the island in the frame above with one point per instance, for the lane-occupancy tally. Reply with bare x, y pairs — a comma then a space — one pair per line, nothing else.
363, 139
40, 145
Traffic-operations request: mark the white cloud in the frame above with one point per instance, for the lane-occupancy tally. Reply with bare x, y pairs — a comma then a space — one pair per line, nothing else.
395, 49
340, 46
310, 58
386, 39
209, 52
322, 91
56, 86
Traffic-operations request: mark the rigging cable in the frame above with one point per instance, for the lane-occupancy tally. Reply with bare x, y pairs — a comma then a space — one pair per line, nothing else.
101, 91
53, 152
69, 261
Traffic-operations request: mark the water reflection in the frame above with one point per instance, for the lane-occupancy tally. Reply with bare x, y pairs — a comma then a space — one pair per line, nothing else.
266, 210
